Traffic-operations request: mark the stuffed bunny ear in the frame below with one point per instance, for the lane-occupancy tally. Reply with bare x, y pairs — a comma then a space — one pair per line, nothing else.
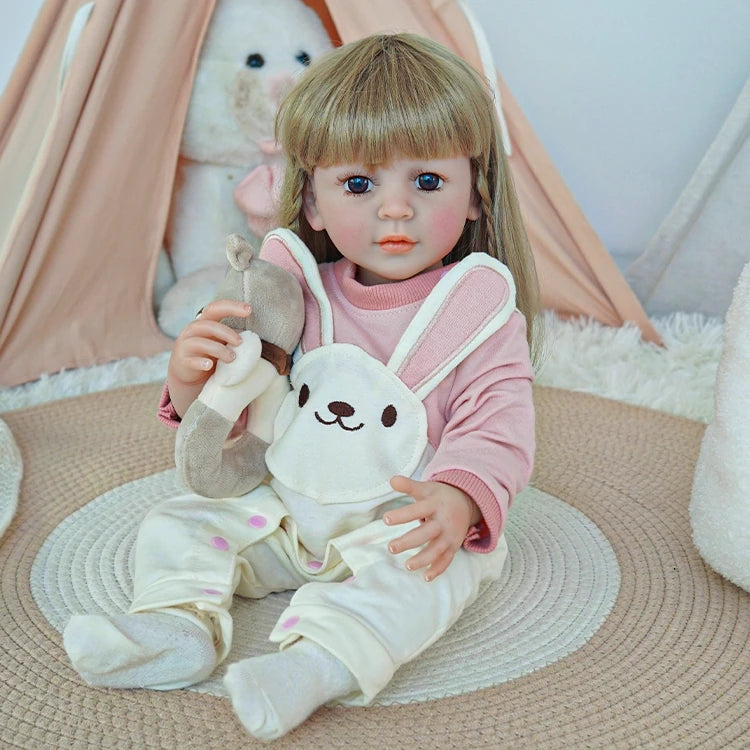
239, 252
284, 248
470, 303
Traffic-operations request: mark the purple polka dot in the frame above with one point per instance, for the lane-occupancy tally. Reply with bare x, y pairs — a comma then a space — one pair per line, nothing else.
212, 592
290, 622
315, 564
257, 522
220, 543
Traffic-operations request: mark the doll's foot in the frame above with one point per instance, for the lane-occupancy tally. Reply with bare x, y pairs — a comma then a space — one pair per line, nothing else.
273, 694
153, 649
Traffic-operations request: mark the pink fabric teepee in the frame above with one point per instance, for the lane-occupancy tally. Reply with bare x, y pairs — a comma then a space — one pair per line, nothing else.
87, 168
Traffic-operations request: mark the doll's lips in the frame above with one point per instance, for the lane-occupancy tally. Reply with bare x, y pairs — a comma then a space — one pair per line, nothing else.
396, 244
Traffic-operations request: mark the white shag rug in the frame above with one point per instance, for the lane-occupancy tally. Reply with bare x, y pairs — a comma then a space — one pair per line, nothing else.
677, 378
579, 355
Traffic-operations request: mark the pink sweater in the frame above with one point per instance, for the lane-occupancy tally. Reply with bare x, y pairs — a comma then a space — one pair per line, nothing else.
480, 418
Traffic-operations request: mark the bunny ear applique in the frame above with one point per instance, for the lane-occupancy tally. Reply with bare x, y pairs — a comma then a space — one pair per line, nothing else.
286, 249
470, 303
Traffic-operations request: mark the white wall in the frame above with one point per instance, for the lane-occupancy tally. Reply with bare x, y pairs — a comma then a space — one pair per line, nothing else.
626, 95
16, 18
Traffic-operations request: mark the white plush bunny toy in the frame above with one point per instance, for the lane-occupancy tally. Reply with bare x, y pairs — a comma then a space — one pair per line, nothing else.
251, 54
720, 502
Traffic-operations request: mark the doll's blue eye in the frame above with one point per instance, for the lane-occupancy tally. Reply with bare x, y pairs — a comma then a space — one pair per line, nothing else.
303, 58
256, 60
429, 181
357, 184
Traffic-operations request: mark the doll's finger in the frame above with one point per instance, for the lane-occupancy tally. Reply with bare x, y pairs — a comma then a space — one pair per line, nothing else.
405, 514
414, 538
211, 330
406, 486
435, 557
439, 566
201, 364
422, 559
208, 348
247, 355
225, 308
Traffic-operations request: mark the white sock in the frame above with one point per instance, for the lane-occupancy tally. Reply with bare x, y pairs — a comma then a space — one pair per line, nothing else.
152, 649
273, 694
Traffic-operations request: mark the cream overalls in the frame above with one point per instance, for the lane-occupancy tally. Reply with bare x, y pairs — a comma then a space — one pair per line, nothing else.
349, 424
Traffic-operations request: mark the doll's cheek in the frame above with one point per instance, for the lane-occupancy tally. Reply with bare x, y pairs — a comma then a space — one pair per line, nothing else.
447, 224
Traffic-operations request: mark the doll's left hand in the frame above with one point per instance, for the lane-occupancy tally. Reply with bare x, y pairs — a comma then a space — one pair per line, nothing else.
446, 514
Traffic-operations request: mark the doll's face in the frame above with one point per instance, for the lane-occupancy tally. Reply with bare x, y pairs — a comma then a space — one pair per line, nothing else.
393, 221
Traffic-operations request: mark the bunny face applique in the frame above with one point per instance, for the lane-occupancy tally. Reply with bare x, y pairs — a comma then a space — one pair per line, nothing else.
349, 425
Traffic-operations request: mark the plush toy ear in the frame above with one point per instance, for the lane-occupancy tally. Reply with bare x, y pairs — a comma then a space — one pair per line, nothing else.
239, 252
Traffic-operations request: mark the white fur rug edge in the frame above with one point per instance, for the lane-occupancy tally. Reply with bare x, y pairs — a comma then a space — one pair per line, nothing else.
677, 378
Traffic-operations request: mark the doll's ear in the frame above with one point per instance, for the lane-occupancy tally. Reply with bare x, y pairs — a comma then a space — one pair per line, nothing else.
475, 210
310, 206
475, 207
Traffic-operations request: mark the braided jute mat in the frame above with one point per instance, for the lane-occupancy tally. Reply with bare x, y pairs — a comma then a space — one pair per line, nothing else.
669, 666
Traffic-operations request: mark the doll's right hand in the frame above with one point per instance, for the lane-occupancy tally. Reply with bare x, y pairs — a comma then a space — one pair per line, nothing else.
206, 340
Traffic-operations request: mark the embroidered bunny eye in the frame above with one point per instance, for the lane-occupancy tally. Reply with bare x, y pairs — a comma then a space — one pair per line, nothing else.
304, 394
256, 60
303, 58
388, 417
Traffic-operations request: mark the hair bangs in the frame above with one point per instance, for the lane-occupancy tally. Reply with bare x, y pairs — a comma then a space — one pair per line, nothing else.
382, 105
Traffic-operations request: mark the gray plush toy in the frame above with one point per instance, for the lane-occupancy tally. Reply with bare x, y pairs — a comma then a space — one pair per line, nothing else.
210, 462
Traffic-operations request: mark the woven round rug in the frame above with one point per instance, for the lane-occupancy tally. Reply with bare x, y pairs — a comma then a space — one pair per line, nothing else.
557, 587
667, 667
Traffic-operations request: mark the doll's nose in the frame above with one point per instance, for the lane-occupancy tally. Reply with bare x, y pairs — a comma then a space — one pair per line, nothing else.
395, 205
341, 409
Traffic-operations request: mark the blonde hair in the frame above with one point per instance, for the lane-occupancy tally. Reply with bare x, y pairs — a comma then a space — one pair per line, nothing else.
404, 94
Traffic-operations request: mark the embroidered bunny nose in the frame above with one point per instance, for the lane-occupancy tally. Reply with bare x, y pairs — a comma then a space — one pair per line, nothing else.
341, 409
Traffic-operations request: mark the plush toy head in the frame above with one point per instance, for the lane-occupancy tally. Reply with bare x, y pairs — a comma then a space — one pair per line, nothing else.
274, 294
207, 463
250, 55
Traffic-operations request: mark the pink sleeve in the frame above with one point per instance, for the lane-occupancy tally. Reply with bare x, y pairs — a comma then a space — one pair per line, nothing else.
487, 446
166, 412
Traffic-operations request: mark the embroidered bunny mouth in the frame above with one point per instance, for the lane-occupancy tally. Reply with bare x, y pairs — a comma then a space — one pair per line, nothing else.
340, 423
